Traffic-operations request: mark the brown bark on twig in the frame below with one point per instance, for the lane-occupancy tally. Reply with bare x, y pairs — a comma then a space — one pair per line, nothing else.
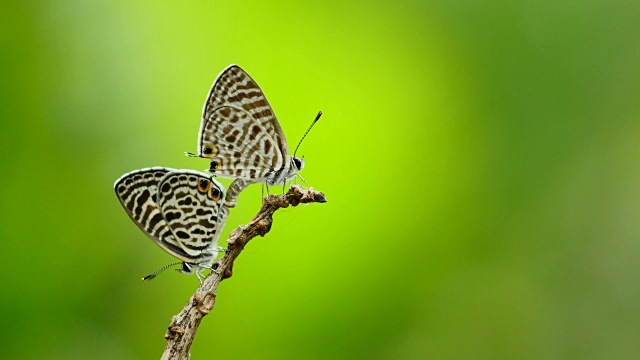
182, 330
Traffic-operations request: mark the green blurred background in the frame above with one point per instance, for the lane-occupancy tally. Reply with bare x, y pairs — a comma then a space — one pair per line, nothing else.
481, 162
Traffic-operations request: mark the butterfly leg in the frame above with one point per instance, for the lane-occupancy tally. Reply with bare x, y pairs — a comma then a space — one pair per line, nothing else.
211, 269
301, 178
199, 275
265, 185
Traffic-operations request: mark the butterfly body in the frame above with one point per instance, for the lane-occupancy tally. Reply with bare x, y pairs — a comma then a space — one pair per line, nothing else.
180, 210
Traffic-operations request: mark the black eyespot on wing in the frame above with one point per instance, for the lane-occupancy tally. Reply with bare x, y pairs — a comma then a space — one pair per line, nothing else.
208, 150
203, 185
214, 165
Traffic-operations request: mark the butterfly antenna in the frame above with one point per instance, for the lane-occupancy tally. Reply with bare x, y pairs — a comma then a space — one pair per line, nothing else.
309, 129
155, 273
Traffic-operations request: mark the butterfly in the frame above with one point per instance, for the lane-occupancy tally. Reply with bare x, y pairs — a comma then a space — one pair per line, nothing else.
180, 210
241, 136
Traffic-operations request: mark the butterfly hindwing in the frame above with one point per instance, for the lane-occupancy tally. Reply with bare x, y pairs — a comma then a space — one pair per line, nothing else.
190, 203
137, 193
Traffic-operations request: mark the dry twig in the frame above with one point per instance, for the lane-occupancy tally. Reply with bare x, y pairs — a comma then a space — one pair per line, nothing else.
182, 330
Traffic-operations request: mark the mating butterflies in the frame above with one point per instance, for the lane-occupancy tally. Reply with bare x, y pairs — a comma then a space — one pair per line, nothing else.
241, 136
180, 210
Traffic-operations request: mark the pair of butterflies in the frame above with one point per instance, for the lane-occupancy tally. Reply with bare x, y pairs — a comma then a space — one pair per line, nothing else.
184, 211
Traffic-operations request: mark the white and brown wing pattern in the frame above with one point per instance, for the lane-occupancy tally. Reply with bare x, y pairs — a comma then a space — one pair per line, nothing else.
235, 88
239, 131
137, 193
171, 226
190, 204
241, 136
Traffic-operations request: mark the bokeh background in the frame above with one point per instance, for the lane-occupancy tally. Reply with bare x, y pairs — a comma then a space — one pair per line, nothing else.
481, 162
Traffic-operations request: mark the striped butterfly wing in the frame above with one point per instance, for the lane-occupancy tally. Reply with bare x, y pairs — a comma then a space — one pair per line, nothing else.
137, 192
190, 203
237, 119
241, 148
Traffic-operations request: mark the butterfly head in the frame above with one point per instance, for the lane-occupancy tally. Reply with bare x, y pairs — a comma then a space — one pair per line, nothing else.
189, 268
186, 268
298, 163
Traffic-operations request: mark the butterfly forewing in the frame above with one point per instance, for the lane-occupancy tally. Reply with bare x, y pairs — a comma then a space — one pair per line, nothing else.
137, 193
190, 204
235, 89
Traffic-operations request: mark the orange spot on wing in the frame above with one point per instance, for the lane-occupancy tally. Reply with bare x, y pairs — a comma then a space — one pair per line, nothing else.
204, 185
215, 194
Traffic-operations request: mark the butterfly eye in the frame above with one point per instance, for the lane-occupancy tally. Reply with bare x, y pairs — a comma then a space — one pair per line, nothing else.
298, 163
208, 150
186, 268
215, 194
